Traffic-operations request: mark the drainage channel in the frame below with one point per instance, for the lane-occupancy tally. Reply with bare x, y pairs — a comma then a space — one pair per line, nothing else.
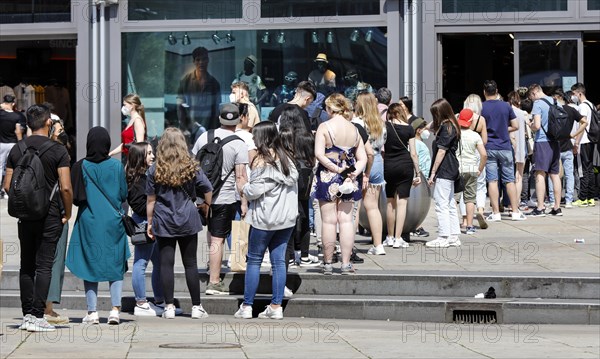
200, 346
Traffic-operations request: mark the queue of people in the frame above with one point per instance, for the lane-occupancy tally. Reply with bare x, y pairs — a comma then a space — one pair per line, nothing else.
270, 174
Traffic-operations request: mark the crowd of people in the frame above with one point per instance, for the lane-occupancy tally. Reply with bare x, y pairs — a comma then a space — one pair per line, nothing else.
284, 177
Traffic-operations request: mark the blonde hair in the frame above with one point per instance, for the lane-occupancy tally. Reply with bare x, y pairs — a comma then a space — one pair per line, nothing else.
473, 103
366, 108
174, 165
135, 100
339, 105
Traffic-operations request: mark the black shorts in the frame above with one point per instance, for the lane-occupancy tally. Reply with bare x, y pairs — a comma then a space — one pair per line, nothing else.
219, 220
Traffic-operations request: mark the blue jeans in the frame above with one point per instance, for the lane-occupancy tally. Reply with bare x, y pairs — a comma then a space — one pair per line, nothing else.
91, 294
142, 254
567, 161
258, 241
500, 164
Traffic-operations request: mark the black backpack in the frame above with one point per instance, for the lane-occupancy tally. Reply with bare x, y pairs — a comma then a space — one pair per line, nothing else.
29, 197
210, 157
558, 123
594, 120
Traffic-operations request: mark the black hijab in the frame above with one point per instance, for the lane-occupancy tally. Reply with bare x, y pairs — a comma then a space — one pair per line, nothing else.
97, 148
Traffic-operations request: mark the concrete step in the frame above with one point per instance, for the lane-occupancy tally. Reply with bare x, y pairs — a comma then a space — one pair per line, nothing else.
396, 308
378, 283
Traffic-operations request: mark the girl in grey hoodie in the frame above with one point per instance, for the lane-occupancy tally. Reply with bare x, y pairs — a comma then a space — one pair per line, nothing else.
272, 194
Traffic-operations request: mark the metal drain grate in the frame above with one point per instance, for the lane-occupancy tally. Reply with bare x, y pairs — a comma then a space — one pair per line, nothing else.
474, 317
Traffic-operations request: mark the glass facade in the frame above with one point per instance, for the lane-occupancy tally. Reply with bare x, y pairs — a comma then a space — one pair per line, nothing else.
140, 10
166, 69
297, 8
549, 63
593, 4
34, 11
489, 6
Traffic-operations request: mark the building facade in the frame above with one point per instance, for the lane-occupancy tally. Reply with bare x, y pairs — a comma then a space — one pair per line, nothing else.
96, 52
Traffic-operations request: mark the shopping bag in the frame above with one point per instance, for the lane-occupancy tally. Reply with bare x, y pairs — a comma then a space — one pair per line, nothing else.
239, 245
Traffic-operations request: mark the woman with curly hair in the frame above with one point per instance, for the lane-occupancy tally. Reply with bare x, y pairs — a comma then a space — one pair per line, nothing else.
337, 185
173, 216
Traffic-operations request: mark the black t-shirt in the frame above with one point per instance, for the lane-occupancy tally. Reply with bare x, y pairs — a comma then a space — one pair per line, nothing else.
274, 116
54, 158
446, 139
8, 121
362, 132
574, 116
396, 144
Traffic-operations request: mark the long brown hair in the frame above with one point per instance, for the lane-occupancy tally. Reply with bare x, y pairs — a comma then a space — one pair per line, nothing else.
174, 164
443, 114
135, 100
395, 112
366, 109
136, 162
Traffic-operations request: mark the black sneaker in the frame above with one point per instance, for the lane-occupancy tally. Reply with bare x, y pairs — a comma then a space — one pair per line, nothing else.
537, 213
420, 232
556, 212
354, 258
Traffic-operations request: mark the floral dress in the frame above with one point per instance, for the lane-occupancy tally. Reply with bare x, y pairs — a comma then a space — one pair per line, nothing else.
326, 183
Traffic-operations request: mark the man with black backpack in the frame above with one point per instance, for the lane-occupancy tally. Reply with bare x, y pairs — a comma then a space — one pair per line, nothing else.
548, 122
223, 157
586, 143
38, 180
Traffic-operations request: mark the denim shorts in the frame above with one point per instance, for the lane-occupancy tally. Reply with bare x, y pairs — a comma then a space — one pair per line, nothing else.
500, 162
376, 175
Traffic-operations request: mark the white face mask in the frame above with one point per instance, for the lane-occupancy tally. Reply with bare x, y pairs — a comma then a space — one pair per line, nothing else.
232, 97
125, 111
575, 99
425, 134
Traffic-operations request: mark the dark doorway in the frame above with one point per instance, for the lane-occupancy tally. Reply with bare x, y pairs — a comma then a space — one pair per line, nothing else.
469, 60
591, 70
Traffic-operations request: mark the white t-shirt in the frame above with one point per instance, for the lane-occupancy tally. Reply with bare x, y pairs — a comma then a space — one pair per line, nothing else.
234, 153
467, 151
586, 111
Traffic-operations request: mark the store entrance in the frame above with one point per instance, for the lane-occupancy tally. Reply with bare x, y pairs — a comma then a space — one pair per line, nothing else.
469, 60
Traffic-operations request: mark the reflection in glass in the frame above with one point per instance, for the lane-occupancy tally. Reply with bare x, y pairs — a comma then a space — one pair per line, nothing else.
266, 38
33, 11
172, 40
186, 39
296, 8
490, 6
183, 9
547, 63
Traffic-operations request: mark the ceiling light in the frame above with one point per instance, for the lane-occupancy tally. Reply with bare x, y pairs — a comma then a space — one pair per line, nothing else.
172, 40
354, 36
216, 39
229, 38
266, 38
330, 37
511, 36
315, 37
369, 36
186, 39
281, 38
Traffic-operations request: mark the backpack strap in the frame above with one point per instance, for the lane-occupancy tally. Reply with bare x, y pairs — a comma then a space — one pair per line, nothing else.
223, 142
210, 137
548, 124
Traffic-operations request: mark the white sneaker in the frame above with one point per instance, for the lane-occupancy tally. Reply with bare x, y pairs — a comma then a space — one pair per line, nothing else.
198, 312
439, 242
169, 312
376, 251
568, 205
400, 243
453, 241
518, 216
28, 318
91, 318
271, 313
287, 292
388, 242
245, 312
113, 317
39, 325
161, 306
494, 217
147, 310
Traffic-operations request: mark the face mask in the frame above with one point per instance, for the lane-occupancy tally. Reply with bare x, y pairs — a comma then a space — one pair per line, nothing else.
232, 97
575, 99
125, 111
425, 135
346, 188
63, 138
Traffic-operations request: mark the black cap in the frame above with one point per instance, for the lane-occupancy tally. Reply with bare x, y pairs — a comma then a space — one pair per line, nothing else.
8, 98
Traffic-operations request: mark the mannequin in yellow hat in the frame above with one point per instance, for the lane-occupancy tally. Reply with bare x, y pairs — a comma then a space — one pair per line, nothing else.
322, 77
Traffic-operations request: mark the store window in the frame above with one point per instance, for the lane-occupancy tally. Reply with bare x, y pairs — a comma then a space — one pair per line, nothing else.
34, 11
593, 4
183, 9
298, 8
161, 68
549, 63
489, 6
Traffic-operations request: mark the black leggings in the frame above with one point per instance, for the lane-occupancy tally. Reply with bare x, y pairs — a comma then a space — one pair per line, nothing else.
300, 239
188, 245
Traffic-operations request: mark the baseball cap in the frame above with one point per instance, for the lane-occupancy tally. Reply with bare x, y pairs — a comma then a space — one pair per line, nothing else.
417, 123
8, 98
464, 118
230, 115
